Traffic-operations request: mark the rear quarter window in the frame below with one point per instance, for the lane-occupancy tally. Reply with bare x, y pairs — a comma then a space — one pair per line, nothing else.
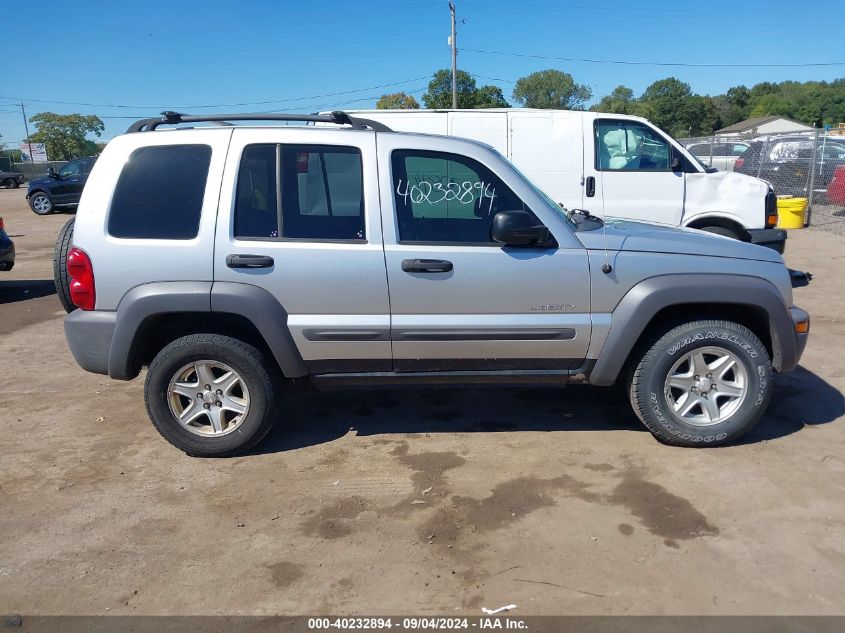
159, 193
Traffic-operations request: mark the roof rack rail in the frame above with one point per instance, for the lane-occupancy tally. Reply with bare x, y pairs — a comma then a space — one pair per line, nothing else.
173, 118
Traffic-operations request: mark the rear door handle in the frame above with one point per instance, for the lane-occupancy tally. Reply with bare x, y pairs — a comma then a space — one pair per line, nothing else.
249, 261
426, 266
591, 186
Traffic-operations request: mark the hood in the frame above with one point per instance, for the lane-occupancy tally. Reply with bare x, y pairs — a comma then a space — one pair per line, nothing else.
40, 181
626, 235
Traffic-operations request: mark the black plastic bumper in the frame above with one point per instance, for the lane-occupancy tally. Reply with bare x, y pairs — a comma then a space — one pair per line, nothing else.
89, 336
772, 238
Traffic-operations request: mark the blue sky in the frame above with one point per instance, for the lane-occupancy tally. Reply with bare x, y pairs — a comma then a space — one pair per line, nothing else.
154, 56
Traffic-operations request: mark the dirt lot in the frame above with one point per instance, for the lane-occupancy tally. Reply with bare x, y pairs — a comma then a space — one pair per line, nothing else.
557, 501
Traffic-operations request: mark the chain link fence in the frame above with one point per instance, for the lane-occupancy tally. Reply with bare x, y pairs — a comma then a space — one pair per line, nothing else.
801, 164
36, 170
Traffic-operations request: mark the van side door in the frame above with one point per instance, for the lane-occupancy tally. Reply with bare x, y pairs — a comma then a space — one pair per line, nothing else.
548, 148
628, 167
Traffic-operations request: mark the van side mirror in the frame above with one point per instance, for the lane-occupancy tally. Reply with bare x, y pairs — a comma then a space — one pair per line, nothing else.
676, 164
518, 228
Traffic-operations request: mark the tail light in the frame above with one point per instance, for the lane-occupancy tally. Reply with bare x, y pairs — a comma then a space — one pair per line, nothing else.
739, 163
81, 274
2, 225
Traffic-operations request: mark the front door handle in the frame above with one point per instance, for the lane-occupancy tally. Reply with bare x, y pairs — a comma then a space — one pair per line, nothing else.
590, 184
249, 261
426, 266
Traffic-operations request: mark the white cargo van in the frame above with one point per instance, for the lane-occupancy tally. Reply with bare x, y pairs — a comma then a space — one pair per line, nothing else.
611, 165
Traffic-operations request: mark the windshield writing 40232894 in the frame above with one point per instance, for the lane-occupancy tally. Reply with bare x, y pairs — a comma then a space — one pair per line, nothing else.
427, 191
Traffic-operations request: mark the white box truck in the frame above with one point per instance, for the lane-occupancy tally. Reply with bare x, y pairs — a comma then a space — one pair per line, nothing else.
612, 165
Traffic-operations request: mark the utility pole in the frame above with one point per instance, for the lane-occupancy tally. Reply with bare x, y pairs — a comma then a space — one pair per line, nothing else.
453, 40
26, 127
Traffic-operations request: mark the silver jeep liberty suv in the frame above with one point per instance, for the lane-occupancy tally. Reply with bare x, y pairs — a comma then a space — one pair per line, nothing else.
232, 259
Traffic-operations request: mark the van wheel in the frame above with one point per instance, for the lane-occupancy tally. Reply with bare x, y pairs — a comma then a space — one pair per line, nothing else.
10, 183
60, 276
40, 203
211, 395
721, 230
704, 383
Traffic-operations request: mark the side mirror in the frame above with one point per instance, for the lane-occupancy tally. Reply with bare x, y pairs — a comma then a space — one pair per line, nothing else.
51, 172
676, 165
518, 228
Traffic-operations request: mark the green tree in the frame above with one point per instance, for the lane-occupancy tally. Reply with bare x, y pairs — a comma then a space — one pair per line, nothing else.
397, 101
619, 101
551, 89
771, 103
674, 107
490, 97
65, 134
439, 93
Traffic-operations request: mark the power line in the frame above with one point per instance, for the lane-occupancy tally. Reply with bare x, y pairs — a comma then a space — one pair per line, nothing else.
309, 108
640, 63
217, 105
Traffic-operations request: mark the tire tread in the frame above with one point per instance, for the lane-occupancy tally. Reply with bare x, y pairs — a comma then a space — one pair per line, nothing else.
638, 375
60, 276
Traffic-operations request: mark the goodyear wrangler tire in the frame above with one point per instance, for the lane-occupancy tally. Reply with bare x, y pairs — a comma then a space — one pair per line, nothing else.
704, 383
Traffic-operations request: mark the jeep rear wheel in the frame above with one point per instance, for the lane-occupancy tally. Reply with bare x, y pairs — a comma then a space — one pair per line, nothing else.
211, 395
40, 203
704, 383
10, 183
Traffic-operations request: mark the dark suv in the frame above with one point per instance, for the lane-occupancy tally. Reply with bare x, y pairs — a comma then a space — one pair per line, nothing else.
786, 163
60, 188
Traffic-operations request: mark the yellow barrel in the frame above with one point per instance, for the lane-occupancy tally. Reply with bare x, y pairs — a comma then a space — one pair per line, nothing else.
791, 212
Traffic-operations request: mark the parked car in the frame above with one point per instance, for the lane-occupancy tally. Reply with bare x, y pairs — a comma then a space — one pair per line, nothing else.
722, 156
62, 188
613, 165
7, 249
785, 162
356, 256
11, 179
836, 188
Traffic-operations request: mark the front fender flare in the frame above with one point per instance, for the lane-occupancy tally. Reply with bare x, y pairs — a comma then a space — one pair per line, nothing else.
641, 303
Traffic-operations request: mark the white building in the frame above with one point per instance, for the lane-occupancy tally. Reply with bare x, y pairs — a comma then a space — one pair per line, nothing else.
764, 125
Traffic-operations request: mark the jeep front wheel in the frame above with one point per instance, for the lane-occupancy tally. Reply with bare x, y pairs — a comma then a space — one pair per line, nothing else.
704, 383
211, 395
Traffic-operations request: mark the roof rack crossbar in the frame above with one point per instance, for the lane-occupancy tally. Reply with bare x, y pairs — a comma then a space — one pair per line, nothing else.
173, 118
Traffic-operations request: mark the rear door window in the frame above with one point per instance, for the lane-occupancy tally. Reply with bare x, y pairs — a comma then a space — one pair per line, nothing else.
304, 192
159, 193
